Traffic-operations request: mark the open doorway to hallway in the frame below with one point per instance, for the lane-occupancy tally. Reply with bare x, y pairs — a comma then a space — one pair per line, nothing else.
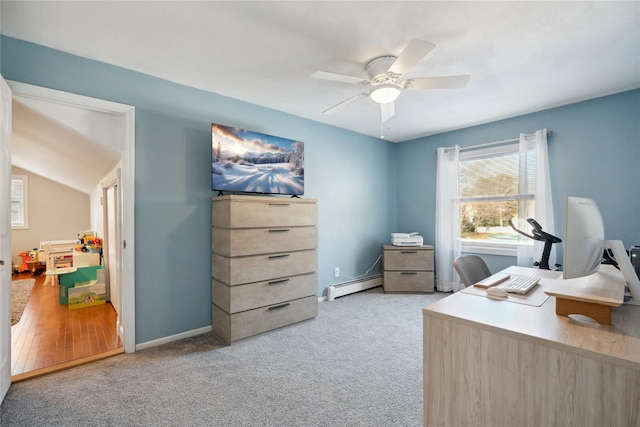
121, 324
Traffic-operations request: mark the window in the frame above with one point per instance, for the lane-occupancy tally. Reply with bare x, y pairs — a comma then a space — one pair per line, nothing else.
494, 182
497, 186
19, 202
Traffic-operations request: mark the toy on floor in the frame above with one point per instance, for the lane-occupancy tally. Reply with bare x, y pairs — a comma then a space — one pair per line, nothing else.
26, 257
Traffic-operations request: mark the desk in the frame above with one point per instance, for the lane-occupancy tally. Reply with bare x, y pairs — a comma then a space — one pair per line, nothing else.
496, 363
55, 272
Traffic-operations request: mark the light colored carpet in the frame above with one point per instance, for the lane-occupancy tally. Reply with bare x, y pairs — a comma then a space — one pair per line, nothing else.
359, 363
20, 291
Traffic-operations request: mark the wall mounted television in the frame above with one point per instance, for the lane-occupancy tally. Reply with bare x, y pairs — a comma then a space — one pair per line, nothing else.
252, 162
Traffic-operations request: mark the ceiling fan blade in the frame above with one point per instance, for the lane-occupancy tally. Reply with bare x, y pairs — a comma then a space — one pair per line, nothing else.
344, 103
344, 78
448, 82
410, 56
387, 111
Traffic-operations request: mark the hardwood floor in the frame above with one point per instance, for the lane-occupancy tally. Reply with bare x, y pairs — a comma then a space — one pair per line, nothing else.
50, 337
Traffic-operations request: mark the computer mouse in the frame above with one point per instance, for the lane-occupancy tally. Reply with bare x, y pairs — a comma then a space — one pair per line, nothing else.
497, 293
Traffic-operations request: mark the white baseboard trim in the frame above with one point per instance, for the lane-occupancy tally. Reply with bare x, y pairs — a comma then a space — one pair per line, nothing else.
357, 285
171, 338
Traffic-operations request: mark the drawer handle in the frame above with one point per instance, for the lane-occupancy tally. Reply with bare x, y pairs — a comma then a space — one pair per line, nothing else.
280, 230
280, 204
276, 307
408, 252
408, 272
277, 282
278, 256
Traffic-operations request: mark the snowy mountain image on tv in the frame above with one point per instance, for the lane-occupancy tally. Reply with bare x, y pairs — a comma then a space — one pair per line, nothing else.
252, 162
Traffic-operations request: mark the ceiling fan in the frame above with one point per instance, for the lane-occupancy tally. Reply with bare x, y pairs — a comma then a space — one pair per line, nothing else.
384, 74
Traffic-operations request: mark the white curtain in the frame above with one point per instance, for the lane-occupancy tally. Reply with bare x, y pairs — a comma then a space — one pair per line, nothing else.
543, 206
447, 219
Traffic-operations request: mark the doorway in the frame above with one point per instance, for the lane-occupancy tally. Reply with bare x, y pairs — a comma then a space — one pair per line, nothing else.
121, 211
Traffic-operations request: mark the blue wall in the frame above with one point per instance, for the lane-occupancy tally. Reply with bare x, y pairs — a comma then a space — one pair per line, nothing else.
352, 176
366, 188
594, 152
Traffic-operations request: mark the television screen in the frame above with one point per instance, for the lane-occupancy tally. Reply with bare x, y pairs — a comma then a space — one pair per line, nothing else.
252, 162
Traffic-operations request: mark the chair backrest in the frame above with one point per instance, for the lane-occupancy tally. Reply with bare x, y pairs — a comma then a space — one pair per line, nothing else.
50, 258
471, 269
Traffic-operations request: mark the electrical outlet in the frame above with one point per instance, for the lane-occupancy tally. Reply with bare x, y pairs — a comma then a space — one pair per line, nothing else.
336, 272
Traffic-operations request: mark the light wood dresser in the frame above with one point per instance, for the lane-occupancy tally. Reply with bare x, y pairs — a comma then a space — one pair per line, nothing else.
407, 268
264, 263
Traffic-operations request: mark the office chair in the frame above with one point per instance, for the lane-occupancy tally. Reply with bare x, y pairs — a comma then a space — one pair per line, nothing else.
471, 269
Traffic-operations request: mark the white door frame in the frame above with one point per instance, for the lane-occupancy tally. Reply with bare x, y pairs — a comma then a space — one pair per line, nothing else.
113, 214
5, 243
125, 115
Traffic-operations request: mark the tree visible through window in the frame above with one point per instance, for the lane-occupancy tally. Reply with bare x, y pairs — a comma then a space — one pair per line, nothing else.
19, 201
494, 184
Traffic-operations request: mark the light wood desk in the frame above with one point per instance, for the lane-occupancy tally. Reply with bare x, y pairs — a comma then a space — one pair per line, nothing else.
497, 363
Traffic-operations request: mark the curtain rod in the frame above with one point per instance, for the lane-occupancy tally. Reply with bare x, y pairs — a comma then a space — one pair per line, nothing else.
487, 144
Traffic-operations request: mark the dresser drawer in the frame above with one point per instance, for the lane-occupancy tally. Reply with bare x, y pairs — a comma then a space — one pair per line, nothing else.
408, 281
233, 299
408, 259
254, 212
254, 241
232, 327
248, 269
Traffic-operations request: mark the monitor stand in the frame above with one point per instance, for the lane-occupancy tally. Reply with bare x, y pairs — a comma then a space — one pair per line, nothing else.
566, 306
591, 296
594, 295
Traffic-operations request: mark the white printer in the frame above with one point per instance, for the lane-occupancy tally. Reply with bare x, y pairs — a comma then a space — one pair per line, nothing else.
406, 239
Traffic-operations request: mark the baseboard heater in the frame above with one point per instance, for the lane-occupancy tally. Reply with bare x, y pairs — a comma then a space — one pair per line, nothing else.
342, 289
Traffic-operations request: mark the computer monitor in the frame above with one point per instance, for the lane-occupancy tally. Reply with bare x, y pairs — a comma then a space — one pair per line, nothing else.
583, 238
623, 260
584, 245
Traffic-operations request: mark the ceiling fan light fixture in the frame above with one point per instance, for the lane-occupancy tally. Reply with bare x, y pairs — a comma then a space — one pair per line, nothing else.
385, 93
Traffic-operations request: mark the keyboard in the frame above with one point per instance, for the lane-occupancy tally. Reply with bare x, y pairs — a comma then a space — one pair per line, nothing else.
520, 284
492, 280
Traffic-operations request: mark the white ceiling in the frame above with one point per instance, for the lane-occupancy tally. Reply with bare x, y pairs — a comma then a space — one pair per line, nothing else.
45, 145
522, 56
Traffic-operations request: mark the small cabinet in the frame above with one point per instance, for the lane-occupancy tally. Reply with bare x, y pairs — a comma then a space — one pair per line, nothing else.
407, 268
